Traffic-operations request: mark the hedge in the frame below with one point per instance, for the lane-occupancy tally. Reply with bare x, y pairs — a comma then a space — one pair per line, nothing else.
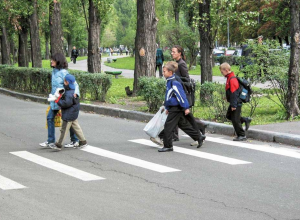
38, 80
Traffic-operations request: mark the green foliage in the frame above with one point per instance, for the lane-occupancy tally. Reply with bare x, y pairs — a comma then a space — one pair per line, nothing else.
153, 90
123, 63
35, 80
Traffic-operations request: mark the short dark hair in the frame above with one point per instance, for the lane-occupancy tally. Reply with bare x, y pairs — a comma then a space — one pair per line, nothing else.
61, 62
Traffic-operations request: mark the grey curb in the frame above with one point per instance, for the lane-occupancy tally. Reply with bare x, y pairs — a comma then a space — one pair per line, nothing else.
213, 127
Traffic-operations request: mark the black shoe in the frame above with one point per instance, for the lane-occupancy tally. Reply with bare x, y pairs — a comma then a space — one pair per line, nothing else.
165, 149
240, 138
247, 123
200, 141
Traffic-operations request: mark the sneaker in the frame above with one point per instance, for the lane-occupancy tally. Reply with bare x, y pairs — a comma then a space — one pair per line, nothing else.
73, 144
195, 143
55, 147
44, 144
81, 144
247, 123
240, 138
156, 141
201, 140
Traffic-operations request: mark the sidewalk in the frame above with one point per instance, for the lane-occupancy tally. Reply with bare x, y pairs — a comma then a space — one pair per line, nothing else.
82, 65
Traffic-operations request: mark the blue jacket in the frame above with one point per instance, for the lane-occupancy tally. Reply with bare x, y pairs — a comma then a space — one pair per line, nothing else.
57, 81
69, 105
175, 94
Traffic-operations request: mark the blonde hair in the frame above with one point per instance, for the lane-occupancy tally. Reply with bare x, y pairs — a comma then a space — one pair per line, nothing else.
171, 66
225, 66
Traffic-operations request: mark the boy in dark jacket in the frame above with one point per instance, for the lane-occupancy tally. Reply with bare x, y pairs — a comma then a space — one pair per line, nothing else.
233, 97
177, 108
70, 111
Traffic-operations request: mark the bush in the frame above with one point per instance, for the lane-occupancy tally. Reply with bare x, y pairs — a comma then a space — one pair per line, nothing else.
153, 91
213, 96
227, 59
167, 55
35, 80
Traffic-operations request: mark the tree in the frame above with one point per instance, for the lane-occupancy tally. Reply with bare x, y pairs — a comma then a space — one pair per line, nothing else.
56, 37
177, 5
293, 80
98, 11
23, 44
145, 41
206, 41
4, 46
34, 37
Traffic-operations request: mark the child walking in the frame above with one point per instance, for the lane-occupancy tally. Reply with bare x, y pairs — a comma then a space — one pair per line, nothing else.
235, 108
70, 111
177, 108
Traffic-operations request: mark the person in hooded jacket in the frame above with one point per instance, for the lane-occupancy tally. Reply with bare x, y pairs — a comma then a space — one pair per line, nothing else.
70, 111
59, 65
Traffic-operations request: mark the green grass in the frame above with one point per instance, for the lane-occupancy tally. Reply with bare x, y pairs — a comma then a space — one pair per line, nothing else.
122, 63
117, 91
128, 64
46, 63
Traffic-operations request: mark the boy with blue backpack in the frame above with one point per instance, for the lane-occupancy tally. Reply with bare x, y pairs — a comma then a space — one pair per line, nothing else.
236, 94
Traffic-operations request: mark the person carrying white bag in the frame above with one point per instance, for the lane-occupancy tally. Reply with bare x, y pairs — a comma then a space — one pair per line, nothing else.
177, 109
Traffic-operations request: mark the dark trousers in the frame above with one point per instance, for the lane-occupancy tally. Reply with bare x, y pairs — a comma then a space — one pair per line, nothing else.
237, 120
74, 59
177, 117
160, 70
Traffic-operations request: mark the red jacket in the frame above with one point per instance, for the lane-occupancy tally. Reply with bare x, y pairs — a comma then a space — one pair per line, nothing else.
232, 90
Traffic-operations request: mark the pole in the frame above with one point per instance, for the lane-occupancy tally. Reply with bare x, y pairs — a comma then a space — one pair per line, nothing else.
227, 32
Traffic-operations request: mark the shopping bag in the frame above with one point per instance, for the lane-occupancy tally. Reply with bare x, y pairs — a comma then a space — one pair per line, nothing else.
156, 124
57, 119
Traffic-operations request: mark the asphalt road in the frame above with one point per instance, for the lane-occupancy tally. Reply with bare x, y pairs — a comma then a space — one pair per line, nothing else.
131, 180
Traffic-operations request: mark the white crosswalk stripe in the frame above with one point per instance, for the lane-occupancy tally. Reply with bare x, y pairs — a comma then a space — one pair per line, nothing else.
79, 174
196, 153
294, 153
8, 184
129, 160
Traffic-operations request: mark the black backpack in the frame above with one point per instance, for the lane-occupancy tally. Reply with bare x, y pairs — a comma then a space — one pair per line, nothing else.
245, 89
189, 86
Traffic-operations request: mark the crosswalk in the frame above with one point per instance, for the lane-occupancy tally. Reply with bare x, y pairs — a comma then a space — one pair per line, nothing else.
8, 184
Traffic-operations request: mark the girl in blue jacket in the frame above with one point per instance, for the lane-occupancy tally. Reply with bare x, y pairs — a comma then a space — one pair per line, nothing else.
60, 65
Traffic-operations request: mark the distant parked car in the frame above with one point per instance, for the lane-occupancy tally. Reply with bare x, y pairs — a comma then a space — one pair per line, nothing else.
238, 53
218, 53
229, 52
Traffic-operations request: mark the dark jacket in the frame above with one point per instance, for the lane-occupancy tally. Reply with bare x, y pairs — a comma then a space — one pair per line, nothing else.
175, 95
182, 70
69, 105
233, 90
74, 53
159, 57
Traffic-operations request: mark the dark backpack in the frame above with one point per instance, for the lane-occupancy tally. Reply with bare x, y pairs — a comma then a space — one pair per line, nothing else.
245, 89
189, 87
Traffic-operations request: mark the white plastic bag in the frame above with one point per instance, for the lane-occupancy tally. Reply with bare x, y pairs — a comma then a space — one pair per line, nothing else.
156, 124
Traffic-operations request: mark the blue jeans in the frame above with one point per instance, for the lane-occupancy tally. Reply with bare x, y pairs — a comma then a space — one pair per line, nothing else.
51, 128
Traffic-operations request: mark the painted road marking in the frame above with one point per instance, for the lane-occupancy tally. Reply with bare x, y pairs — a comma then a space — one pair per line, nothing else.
268, 149
196, 153
129, 160
79, 174
7, 184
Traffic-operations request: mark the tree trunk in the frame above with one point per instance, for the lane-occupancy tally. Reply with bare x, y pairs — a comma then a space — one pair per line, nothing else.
56, 37
145, 40
293, 81
47, 51
287, 40
35, 38
5, 46
12, 52
69, 39
94, 65
206, 41
23, 53
0, 51
176, 9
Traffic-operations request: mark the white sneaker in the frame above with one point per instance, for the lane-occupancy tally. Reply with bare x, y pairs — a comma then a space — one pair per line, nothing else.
73, 144
195, 143
44, 144
156, 141
52, 145
81, 146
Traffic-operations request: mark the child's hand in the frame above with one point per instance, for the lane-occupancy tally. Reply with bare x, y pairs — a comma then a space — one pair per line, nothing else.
187, 111
233, 109
167, 112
